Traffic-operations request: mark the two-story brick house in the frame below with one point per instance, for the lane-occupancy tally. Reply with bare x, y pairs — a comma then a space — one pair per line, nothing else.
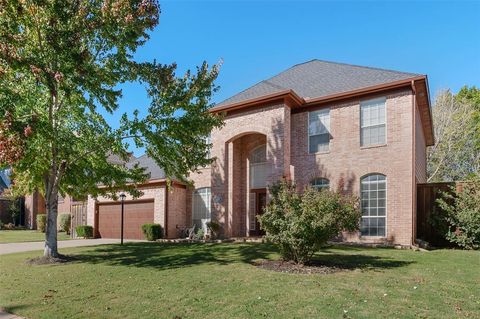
356, 129
359, 129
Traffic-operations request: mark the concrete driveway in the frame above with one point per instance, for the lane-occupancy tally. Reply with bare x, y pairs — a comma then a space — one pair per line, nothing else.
10, 248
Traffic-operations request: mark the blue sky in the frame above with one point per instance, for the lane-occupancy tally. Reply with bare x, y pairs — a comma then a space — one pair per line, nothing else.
258, 39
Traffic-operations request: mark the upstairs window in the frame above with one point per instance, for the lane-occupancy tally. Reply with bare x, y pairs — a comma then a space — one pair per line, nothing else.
258, 167
372, 122
320, 183
318, 131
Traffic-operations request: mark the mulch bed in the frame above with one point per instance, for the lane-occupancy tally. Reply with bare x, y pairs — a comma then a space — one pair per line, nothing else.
293, 268
61, 259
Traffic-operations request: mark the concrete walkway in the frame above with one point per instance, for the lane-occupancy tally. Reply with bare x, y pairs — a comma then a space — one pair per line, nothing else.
10, 248
6, 315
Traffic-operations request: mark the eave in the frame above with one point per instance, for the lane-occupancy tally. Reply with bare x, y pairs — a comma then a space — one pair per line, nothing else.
418, 84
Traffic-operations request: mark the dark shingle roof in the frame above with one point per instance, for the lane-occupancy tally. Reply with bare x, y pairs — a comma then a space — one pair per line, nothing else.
318, 78
151, 167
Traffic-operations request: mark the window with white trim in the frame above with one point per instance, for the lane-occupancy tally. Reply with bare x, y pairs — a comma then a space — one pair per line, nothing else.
373, 193
208, 141
372, 122
318, 131
258, 167
320, 183
201, 207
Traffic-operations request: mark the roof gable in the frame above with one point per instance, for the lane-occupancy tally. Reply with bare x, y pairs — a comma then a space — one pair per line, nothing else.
318, 78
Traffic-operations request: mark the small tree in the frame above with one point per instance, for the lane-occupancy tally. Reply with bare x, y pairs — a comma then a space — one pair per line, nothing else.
62, 67
302, 223
461, 212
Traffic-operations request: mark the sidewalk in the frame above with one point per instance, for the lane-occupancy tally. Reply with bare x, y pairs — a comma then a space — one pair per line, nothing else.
6, 315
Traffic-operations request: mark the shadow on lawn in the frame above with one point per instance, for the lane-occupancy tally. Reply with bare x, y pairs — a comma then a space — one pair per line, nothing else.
170, 256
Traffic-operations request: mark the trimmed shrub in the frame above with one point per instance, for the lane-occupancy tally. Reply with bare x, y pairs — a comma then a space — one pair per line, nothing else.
461, 212
41, 222
65, 222
152, 231
84, 231
300, 224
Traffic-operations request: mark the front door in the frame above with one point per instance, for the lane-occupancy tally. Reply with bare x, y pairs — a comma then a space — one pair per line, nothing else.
259, 201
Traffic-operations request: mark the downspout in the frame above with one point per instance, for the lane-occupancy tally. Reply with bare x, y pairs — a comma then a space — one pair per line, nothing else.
414, 184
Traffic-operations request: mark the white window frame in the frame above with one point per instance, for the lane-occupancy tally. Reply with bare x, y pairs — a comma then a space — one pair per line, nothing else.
208, 205
208, 140
322, 185
327, 110
386, 205
367, 102
253, 165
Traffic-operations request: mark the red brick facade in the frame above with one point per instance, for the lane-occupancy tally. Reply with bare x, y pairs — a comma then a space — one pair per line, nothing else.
284, 130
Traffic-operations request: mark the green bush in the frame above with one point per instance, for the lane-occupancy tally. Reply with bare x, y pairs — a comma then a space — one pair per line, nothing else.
152, 231
41, 222
461, 212
65, 222
300, 224
84, 231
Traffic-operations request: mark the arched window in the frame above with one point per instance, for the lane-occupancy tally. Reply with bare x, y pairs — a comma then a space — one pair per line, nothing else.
258, 167
320, 183
373, 194
201, 207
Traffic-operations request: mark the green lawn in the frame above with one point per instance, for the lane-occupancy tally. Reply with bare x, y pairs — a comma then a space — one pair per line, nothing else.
17, 236
151, 280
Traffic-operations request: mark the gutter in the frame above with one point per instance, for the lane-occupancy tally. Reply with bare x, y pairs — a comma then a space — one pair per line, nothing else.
301, 102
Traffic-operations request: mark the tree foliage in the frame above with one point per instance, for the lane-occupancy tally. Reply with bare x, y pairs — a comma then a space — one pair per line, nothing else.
301, 223
461, 212
61, 65
456, 153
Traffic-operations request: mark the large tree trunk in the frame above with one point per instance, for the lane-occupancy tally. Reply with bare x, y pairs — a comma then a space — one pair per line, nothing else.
51, 199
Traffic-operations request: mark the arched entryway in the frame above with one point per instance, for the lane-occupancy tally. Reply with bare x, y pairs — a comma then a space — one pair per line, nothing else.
248, 172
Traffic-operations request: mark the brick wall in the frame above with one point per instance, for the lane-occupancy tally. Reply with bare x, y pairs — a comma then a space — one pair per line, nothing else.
346, 162
420, 150
228, 197
176, 210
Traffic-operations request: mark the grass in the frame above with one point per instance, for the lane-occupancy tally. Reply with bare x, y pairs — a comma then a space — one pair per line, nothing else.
151, 280
18, 236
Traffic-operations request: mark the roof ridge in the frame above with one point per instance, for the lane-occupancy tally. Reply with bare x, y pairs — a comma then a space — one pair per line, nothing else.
360, 66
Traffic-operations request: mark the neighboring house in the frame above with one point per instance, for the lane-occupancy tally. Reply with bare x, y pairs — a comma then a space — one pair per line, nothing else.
356, 129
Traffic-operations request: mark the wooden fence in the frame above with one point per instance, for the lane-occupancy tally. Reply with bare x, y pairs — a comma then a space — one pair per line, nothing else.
428, 208
79, 216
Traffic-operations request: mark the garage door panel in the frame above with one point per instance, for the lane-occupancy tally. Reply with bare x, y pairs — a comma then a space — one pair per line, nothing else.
135, 213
